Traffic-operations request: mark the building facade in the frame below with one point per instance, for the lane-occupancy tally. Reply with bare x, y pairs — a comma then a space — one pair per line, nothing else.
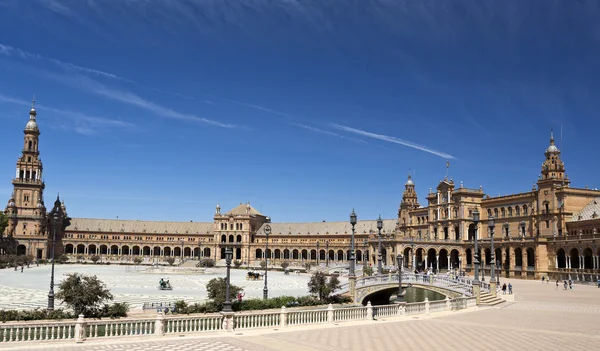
550, 230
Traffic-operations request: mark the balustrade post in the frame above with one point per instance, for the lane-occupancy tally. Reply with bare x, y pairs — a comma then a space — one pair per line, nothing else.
80, 329
330, 313
159, 324
227, 321
402, 309
369, 311
283, 317
448, 304
426, 306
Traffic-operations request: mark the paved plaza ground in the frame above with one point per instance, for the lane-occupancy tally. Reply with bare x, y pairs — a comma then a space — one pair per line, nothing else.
539, 318
134, 285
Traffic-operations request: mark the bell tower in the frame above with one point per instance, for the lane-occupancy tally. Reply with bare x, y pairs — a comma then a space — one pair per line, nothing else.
409, 202
26, 209
553, 168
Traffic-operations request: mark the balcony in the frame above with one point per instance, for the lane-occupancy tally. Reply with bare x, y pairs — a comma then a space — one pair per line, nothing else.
27, 181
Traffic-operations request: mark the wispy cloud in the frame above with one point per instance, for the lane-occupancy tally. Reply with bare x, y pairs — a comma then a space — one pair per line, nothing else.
393, 140
79, 122
90, 85
257, 107
326, 132
10, 51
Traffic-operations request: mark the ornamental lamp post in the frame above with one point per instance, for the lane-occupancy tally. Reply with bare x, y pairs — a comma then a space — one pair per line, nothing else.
400, 260
498, 273
227, 303
364, 255
491, 226
379, 226
352, 257
55, 221
318, 253
199, 250
267, 231
326, 253
476, 254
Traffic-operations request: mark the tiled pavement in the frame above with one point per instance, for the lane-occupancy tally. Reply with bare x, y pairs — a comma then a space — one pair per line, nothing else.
542, 318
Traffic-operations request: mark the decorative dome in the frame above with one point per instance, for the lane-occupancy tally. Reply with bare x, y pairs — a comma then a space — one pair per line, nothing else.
32, 124
409, 181
11, 201
552, 148
40, 205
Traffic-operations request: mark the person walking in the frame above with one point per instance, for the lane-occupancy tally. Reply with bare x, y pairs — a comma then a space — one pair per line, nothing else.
556, 284
543, 279
504, 289
510, 288
565, 285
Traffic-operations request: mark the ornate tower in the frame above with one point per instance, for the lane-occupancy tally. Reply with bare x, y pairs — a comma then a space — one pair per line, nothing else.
409, 202
546, 212
26, 209
553, 168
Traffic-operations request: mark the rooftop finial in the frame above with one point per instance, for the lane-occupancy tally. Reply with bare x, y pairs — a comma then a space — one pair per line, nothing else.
33, 102
552, 135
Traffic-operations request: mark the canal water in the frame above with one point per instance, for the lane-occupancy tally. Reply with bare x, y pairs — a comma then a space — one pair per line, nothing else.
418, 295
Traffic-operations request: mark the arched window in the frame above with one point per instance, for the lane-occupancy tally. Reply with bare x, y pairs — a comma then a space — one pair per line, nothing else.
503, 211
241, 226
517, 210
489, 212
496, 212
524, 210
510, 211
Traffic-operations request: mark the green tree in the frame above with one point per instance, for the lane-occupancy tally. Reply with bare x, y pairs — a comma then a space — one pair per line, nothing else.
3, 222
95, 258
321, 286
307, 266
83, 293
137, 260
263, 264
367, 270
170, 260
285, 264
216, 290
237, 263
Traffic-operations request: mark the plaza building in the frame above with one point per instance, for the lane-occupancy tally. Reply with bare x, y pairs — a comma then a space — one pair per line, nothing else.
550, 230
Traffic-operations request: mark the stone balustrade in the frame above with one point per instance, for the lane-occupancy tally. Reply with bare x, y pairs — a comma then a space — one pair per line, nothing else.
82, 329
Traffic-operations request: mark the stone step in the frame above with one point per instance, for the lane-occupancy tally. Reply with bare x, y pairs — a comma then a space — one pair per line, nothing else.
487, 299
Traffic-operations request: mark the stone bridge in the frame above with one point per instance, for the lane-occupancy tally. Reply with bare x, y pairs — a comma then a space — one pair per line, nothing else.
369, 288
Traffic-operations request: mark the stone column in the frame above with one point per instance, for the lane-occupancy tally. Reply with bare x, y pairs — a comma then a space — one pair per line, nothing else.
79, 329
437, 263
511, 266
159, 324
449, 260
352, 287
477, 293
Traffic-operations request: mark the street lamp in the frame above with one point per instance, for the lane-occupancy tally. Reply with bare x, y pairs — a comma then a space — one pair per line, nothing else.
227, 303
181, 256
491, 225
326, 253
379, 226
352, 257
55, 220
318, 253
498, 273
400, 259
267, 231
476, 255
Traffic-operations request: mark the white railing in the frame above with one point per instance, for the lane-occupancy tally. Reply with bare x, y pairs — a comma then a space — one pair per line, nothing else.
29, 331
125, 327
455, 284
257, 320
193, 324
82, 329
307, 317
349, 314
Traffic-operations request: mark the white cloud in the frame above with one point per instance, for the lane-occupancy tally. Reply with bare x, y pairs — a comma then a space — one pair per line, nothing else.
79, 122
317, 130
393, 140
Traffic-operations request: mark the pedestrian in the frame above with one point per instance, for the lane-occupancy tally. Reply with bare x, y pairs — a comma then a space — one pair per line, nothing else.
570, 284
565, 285
21, 269
510, 288
556, 284
504, 289
543, 279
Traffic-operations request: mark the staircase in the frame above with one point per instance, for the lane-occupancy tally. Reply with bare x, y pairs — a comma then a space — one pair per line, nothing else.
488, 299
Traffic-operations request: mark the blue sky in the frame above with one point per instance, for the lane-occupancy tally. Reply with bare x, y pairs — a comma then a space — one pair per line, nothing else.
158, 110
